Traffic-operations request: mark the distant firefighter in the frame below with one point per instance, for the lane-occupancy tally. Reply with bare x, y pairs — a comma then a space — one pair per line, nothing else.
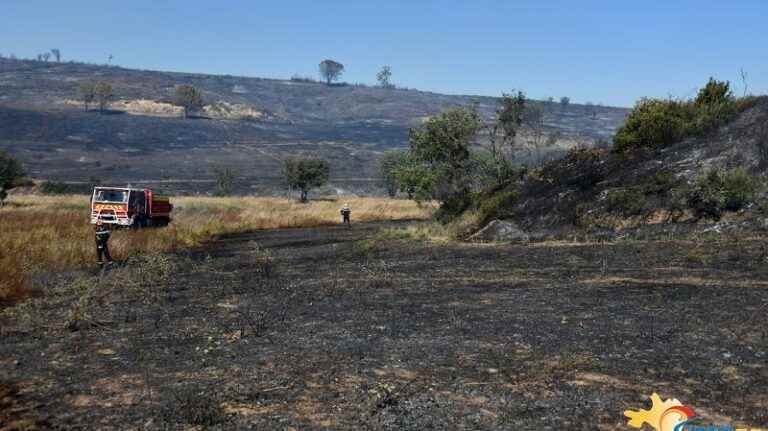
102, 243
345, 213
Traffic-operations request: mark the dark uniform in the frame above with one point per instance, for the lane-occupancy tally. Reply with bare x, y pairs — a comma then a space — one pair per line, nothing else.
345, 212
102, 244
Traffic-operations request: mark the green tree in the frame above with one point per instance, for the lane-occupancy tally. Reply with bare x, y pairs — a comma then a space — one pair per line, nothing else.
189, 98
11, 172
225, 180
389, 162
384, 76
87, 93
565, 101
103, 94
502, 131
330, 70
440, 159
305, 174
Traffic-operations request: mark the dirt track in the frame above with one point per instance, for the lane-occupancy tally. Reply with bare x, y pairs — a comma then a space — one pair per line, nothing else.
340, 333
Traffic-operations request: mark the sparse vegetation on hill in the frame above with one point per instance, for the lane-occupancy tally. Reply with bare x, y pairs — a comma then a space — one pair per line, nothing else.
672, 161
252, 125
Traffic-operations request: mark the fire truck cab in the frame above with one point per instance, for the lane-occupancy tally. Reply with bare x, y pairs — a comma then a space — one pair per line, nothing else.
130, 207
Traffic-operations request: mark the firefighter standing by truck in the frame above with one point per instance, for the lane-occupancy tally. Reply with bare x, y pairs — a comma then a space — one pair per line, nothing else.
102, 243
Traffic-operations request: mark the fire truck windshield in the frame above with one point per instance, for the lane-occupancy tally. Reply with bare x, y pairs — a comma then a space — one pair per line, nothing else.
110, 196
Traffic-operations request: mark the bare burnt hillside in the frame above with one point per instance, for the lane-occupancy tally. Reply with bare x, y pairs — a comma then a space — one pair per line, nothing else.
250, 124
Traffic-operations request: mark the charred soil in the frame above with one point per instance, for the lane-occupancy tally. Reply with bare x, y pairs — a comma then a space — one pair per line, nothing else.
330, 328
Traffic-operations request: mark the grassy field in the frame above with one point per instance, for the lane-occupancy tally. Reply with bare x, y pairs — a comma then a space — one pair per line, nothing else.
42, 233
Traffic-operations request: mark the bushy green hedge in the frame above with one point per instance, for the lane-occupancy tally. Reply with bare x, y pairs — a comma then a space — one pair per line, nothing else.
718, 191
655, 123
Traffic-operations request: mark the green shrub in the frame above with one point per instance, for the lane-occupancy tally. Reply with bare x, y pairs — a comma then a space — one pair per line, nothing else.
498, 206
714, 93
652, 123
656, 123
717, 191
626, 202
661, 183
740, 189
705, 197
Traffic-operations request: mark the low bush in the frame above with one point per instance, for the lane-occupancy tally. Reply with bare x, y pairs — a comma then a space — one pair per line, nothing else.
741, 189
705, 196
263, 262
661, 183
581, 167
717, 191
627, 202
498, 206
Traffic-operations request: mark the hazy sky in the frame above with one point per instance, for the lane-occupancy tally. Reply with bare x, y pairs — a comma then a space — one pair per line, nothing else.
610, 52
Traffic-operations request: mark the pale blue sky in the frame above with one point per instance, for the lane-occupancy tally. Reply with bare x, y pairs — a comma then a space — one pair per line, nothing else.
609, 52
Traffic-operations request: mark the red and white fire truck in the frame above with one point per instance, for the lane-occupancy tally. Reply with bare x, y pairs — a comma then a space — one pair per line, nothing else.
130, 207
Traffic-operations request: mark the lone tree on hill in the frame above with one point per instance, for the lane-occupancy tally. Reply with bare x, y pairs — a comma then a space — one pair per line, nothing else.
103, 94
56, 54
189, 98
87, 93
305, 174
331, 70
384, 77
10, 174
565, 101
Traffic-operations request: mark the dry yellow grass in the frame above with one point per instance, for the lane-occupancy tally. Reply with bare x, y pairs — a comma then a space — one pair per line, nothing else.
39, 233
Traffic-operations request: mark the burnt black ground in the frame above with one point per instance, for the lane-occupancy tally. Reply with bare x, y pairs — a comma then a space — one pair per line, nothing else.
343, 332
